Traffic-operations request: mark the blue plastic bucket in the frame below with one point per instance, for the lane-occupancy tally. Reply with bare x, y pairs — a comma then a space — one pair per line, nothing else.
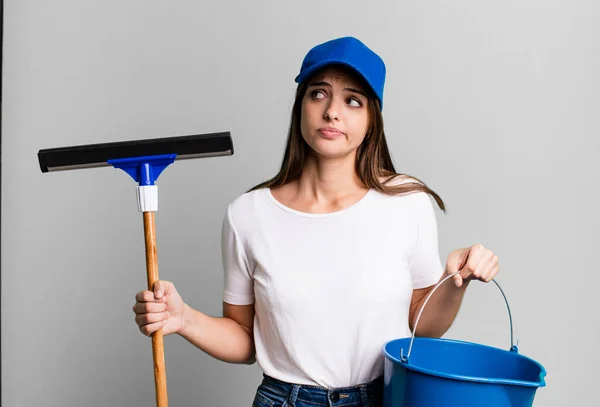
427, 372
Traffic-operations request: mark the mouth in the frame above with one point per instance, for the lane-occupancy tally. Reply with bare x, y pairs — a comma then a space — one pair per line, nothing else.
330, 132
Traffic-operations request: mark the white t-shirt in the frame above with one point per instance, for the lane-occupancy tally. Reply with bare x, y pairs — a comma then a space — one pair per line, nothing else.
329, 290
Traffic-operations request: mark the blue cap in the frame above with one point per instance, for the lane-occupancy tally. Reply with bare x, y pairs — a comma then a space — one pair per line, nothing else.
350, 52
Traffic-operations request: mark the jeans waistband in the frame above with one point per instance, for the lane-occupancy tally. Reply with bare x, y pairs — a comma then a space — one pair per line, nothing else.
372, 390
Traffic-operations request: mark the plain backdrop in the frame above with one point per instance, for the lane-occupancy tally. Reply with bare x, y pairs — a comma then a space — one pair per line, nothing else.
493, 104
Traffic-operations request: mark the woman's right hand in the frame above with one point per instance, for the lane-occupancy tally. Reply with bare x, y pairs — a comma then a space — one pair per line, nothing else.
161, 308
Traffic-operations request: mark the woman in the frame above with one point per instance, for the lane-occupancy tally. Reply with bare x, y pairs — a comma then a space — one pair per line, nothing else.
332, 257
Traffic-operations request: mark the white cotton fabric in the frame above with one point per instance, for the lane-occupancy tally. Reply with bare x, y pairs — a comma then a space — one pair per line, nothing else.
329, 290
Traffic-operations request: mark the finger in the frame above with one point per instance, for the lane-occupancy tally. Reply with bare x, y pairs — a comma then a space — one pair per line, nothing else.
482, 266
163, 289
452, 267
145, 319
145, 296
487, 273
149, 329
458, 281
149, 307
472, 262
159, 289
492, 274
484, 257
457, 259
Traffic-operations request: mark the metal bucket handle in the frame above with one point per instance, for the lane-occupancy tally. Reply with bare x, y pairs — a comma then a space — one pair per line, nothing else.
513, 348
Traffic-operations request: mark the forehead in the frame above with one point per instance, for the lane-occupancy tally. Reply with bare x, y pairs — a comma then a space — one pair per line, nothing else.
339, 74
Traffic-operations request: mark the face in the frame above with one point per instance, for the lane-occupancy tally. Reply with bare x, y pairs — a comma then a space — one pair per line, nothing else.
334, 119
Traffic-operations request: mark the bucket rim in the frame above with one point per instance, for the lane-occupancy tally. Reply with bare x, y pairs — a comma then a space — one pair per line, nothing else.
430, 372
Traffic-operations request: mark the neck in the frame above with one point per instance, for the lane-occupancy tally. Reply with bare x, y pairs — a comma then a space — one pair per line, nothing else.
329, 179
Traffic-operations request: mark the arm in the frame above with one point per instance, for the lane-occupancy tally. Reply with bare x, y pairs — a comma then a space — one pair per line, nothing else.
228, 338
475, 262
441, 309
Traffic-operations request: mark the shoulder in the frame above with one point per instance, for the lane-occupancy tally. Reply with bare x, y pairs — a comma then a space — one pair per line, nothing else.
246, 201
246, 207
407, 193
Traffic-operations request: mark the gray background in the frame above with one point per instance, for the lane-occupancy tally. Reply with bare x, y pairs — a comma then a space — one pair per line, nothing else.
493, 104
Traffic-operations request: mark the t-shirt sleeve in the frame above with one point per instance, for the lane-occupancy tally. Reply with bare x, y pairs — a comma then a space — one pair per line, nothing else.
425, 267
238, 283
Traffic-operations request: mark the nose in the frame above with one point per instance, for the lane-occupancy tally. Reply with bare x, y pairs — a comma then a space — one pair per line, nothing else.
332, 110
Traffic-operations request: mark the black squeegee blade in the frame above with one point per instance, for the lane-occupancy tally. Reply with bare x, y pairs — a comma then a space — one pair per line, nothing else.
97, 155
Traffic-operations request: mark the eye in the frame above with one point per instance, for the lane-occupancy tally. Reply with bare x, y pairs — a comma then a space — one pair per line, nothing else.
317, 94
354, 102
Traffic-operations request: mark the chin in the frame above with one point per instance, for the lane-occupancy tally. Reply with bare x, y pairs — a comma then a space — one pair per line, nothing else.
333, 152
328, 148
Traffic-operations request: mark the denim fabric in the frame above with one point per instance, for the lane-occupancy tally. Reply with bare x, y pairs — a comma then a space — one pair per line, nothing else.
275, 393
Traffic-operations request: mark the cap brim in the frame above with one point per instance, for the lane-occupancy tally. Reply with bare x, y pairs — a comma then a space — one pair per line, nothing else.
310, 71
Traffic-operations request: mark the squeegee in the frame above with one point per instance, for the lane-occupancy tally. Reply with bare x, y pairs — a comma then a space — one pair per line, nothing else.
144, 161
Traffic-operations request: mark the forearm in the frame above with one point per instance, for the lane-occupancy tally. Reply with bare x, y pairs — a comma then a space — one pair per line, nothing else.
440, 311
222, 338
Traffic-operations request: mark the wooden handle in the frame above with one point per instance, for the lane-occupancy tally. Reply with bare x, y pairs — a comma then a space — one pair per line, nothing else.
158, 353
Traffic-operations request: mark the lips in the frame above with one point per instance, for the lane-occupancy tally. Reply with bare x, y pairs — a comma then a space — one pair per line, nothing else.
330, 132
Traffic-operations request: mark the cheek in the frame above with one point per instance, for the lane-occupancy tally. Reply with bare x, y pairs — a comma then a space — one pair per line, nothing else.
307, 116
303, 123
361, 124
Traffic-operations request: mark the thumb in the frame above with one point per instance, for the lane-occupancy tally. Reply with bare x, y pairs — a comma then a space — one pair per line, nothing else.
454, 265
453, 268
162, 289
458, 280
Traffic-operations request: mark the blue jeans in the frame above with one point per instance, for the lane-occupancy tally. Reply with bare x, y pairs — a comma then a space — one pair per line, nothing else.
275, 393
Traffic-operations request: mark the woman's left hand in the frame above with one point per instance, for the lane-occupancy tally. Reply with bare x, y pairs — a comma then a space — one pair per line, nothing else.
475, 262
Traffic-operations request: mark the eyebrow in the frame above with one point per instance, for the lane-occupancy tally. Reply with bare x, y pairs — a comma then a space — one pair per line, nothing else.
323, 83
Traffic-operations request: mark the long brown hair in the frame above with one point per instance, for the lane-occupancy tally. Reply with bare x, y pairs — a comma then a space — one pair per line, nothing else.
374, 165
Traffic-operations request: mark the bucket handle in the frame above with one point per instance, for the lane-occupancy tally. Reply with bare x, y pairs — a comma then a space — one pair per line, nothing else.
513, 348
